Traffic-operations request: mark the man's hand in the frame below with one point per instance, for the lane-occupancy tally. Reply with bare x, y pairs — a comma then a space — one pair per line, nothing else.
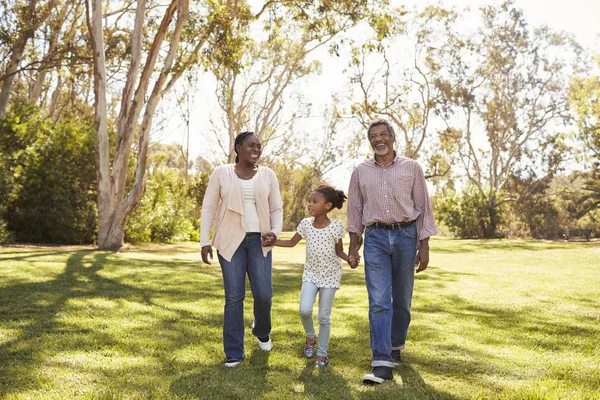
353, 261
356, 241
206, 252
268, 239
422, 256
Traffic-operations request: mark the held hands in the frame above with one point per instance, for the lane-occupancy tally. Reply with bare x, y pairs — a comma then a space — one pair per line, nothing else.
268, 239
206, 252
353, 261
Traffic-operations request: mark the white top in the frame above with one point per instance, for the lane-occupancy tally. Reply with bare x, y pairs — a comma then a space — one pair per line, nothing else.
250, 210
322, 267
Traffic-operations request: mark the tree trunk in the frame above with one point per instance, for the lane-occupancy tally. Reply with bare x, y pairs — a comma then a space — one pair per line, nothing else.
491, 232
30, 26
11, 72
114, 203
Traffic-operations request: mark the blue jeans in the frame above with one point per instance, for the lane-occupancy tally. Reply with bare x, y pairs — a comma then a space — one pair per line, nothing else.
389, 272
247, 259
307, 299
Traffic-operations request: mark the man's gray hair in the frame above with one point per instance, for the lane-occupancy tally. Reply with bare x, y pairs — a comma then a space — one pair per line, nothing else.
384, 122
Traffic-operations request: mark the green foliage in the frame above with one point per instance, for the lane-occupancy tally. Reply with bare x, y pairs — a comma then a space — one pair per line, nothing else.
584, 96
163, 214
50, 175
296, 182
466, 214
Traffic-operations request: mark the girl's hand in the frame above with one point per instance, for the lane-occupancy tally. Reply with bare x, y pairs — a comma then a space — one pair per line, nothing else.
268, 239
353, 261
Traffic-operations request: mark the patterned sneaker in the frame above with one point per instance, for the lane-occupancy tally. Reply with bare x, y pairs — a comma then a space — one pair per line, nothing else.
309, 349
322, 363
396, 357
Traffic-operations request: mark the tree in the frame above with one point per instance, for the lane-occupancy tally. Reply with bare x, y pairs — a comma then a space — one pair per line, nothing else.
403, 89
28, 18
253, 88
504, 101
115, 200
585, 100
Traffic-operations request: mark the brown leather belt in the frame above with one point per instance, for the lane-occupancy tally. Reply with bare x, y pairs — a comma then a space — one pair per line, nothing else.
395, 225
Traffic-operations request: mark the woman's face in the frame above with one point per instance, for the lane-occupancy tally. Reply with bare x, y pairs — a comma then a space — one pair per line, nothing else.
250, 150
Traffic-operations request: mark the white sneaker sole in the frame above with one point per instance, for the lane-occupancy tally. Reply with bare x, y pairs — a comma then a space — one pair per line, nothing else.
232, 364
266, 346
372, 379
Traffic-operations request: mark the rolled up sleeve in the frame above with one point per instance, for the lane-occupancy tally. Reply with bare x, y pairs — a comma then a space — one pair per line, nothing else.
425, 223
355, 205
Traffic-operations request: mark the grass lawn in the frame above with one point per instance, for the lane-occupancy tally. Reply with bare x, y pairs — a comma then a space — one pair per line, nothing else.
491, 320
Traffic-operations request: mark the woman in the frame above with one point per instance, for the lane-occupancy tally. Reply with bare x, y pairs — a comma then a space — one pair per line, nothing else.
244, 203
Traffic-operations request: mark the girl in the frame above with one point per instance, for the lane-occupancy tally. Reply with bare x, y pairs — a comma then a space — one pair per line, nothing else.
323, 268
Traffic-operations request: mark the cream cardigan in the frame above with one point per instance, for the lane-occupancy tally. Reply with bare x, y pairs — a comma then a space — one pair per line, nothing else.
223, 205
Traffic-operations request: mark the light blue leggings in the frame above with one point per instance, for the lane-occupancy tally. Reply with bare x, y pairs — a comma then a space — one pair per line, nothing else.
308, 296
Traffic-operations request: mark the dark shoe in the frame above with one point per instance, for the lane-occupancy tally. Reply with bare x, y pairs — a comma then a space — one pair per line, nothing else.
396, 357
378, 376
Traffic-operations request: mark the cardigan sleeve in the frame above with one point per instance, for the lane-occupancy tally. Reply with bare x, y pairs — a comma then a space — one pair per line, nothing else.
275, 206
209, 207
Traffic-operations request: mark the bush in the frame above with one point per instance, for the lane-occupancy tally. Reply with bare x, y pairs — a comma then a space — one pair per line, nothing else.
50, 170
163, 213
466, 215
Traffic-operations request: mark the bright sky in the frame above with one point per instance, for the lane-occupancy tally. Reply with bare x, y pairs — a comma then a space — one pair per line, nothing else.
579, 17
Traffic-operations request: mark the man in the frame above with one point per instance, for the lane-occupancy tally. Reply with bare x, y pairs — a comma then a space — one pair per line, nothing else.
388, 199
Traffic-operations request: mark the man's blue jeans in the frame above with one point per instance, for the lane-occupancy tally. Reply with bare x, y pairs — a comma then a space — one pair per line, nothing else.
389, 271
247, 259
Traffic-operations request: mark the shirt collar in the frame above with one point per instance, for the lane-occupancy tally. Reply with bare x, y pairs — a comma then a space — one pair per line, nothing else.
396, 158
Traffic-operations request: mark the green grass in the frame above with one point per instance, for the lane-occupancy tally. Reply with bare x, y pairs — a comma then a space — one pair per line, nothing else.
491, 320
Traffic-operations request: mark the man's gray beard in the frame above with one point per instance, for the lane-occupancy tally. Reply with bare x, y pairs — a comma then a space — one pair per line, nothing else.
383, 151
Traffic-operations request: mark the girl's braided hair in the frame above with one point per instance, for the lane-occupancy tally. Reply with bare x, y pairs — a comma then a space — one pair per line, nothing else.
333, 196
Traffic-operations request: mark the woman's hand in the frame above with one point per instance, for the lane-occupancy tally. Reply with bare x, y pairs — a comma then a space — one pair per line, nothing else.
206, 252
268, 239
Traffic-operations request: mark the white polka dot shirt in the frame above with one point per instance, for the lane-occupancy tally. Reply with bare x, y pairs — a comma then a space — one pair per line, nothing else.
322, 267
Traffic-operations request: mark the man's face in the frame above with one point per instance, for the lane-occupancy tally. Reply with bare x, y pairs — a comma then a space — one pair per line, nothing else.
381, 140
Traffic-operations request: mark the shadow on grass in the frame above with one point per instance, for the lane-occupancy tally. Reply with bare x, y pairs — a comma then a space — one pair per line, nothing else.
246, 381
323, 383
33, 312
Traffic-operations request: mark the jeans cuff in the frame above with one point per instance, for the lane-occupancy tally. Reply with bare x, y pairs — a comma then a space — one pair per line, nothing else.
382, 363
401, 347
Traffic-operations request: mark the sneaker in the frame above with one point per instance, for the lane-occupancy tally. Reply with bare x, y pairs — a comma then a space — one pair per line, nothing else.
309, 349
322, 363
265, 343
232, 363
396, 357
378, 376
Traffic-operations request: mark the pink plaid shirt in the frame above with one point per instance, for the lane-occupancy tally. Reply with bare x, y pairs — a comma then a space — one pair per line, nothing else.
389, 193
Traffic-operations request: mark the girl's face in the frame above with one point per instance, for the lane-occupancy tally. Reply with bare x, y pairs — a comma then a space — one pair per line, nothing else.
318, 205
250, 150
